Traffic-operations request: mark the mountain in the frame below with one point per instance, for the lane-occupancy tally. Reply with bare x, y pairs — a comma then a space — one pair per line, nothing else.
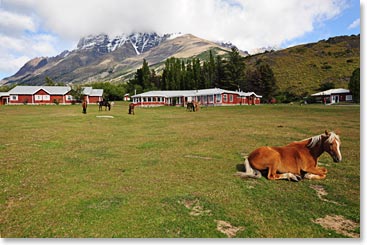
101, 58
302, 69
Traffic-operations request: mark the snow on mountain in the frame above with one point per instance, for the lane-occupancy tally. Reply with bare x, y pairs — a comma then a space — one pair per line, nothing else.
141, 42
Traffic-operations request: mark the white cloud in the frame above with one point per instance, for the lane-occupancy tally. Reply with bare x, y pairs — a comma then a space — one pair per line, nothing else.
355, 24
248, 24
11, 64
13, 23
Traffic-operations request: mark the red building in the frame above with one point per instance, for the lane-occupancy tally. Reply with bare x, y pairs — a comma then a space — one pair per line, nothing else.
207, 97
38, 95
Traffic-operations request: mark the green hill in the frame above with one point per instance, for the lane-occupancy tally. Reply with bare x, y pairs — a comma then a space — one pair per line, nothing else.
304, 68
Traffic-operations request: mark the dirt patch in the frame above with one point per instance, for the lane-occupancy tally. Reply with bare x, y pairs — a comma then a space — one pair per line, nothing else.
228, 229
339, 224
199, 157
196, 209
321, 193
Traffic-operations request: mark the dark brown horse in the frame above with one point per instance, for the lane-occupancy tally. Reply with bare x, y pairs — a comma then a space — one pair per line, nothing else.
84, 106
131, 108
294, 161
104, 103
190, 106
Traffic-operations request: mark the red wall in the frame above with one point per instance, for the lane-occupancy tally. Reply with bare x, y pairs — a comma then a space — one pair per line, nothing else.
94, 99
21, 99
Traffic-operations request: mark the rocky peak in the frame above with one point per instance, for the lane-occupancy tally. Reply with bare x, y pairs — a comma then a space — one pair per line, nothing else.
102, 43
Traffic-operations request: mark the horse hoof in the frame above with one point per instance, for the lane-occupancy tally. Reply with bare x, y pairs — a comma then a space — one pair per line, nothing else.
293, 177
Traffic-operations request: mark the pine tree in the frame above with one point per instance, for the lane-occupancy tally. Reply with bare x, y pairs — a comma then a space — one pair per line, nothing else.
236, 68
146, 76
268, 80
354, 85
220, 72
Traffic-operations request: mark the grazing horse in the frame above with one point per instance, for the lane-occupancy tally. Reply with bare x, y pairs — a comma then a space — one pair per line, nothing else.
294, 161
106, 104
131, 109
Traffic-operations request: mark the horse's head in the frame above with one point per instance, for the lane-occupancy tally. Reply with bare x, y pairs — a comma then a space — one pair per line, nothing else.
332, 145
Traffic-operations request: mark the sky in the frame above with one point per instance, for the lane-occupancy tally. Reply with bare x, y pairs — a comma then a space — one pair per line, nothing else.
45, 28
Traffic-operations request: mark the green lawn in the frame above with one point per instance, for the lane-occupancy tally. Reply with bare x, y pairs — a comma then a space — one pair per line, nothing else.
166, 172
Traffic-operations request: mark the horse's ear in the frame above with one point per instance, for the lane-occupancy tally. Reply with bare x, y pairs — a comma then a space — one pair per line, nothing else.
327, 132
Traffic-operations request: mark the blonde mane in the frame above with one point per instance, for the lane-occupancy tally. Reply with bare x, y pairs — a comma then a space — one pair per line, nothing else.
316, 139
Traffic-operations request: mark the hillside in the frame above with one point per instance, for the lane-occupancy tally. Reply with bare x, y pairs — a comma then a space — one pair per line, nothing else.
303, 68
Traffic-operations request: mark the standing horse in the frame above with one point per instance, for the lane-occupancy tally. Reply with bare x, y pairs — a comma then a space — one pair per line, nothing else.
84, 106
131, 109
190, 106
294, 160
106, 104
196, 106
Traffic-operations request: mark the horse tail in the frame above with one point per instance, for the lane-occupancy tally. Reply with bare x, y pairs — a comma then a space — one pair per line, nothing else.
250, 172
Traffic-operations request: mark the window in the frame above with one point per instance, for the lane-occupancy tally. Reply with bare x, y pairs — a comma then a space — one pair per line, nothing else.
219, 98
211, 98
348, 98
224, 97
14, 98
38, 97
45, 97
231, 98
69, 97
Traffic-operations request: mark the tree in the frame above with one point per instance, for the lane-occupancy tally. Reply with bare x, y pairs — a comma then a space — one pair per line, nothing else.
261, 80
326, 86
220, 72
236, 69
354, 85
268, 80
77, 93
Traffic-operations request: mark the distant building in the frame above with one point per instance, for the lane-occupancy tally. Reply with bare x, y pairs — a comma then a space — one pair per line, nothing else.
4, 98
207, 97
333, 96
38, 95
127, 97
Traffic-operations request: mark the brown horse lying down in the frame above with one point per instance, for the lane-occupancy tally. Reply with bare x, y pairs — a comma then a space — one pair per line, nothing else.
293, 160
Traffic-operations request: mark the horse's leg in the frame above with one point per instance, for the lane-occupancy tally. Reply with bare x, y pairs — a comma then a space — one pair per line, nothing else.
273, 175
250, 172
316, 170
289, 176
314, 176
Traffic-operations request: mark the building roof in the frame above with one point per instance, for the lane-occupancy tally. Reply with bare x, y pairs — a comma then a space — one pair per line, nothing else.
332, 91
96, 92
191, 93
92, 92
2, 94
55, 90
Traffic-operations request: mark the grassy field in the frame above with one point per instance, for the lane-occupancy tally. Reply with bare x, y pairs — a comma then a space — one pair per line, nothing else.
166, 172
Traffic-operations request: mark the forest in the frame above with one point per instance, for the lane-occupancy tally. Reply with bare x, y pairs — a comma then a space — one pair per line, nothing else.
226, 72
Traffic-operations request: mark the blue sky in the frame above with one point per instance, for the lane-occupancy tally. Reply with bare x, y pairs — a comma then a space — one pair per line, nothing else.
45, 28
337, 26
